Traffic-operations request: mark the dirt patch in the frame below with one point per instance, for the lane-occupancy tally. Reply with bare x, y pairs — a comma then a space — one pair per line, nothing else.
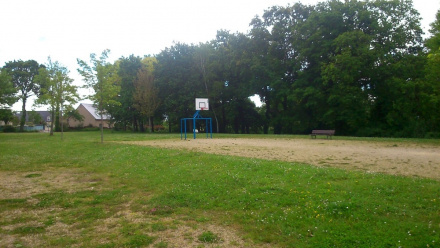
22, 185
406, 159
178, 231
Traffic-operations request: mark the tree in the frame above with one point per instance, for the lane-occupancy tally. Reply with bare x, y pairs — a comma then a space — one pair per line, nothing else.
7, 90
202, 58
178, 83
56, 90
72, 113
146, 97
35, 117
101, 76
22, 74
432, 72
335, 64
6, 115
126, 114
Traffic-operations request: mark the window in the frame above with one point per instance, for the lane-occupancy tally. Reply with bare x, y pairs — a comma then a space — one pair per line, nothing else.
48, 118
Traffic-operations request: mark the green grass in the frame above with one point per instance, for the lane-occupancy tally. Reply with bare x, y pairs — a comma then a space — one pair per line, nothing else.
208, 237
279, 203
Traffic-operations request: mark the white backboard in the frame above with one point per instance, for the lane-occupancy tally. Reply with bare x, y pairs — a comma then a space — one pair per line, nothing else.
202, 104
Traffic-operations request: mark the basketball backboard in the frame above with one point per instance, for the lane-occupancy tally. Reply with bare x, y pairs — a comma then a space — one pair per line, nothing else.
202, 104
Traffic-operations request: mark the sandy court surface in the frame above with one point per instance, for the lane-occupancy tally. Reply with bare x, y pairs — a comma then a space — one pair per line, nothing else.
400, 158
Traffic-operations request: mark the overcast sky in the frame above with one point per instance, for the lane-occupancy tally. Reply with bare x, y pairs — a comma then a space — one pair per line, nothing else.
71, 29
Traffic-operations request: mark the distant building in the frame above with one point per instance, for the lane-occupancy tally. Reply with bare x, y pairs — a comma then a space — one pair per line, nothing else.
91, 117
45, 117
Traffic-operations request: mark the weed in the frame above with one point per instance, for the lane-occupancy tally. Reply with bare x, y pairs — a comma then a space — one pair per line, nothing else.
33, 175
139, 240
28, 230
158, 227
161, 244
209, 237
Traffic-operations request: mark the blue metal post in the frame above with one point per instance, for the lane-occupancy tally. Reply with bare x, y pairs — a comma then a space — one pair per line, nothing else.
185, 129
194, 127
210, 126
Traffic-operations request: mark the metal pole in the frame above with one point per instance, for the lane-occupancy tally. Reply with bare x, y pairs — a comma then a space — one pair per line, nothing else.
194, 127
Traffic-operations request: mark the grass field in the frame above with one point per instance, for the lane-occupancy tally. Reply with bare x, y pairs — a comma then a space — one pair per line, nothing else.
80, 193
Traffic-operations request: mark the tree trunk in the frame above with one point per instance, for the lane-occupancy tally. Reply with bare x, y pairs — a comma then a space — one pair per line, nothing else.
102, 129
52, 121
23, 115
141, 125
60, 116
57, 119
150, 124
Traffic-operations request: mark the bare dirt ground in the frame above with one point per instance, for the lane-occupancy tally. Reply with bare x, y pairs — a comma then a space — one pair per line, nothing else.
408, 159
180, 231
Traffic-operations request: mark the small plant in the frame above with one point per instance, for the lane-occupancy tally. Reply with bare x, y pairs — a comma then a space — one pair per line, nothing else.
161, 244
139, 240
157, 227
208, 237
9, 129
33, 175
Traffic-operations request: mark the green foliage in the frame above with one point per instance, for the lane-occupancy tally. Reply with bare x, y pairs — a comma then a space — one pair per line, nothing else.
146, 96
6, 115
9, 129
125, 114
7, 90
22, 75
102, 77
35, 117
433, 43
57, 91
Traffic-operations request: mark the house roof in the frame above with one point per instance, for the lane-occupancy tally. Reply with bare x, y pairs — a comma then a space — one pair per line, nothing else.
94, 111
43, 114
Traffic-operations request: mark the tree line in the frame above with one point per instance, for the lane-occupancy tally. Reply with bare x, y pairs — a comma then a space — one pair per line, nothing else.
361, 68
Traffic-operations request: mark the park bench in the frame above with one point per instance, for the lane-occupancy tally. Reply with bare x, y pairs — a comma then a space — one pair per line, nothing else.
329, 133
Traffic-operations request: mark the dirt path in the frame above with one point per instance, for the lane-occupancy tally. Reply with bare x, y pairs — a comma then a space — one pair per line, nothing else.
386, 157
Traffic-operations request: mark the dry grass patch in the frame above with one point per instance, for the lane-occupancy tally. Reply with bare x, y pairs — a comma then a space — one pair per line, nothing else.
408, 159
27, 225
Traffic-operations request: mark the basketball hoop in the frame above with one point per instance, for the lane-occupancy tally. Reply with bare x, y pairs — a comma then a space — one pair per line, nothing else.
202, 104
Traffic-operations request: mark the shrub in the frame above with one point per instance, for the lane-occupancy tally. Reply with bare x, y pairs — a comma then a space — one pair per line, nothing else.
9, 129
432, 135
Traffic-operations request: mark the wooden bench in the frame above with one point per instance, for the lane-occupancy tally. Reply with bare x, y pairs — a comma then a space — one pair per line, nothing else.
329, 133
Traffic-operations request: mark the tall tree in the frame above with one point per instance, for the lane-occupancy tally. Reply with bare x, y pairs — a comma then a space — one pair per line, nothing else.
146, 95
231, 65
57, 91
102, 77
125, 113
23, 74
178, 82
432, 72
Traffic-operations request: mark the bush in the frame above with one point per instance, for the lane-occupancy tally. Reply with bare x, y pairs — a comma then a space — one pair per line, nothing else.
9, 129
432, 135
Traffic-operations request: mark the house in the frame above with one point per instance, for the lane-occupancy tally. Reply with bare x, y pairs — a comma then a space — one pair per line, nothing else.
36, 117
91, 117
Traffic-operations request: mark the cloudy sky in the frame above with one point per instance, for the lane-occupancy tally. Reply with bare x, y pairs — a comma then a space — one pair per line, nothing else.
71, 29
